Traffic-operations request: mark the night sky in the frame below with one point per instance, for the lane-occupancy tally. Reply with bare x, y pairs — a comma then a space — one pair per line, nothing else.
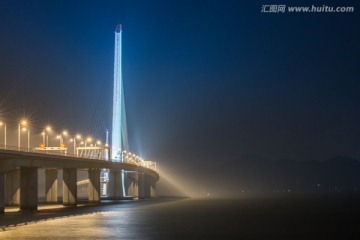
205, 81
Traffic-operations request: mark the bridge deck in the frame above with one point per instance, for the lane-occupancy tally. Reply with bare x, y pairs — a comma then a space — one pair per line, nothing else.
11, 159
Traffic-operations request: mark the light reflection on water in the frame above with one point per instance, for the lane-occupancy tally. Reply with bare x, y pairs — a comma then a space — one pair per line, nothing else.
285, 217
82, 227
104, 225
128, 221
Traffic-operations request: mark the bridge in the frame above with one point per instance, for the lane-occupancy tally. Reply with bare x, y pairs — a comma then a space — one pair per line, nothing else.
19, 177
113, 172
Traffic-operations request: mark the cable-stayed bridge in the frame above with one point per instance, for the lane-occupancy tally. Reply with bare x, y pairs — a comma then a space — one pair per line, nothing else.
113, 171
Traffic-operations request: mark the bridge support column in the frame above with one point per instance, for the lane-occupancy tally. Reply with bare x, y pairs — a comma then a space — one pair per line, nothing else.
69, 187
152, 187
2, 192
132, 186
115, 185
144, 185
142, 188
148, 180
94, 185
51, 185
141, 185
28, 188
12, 188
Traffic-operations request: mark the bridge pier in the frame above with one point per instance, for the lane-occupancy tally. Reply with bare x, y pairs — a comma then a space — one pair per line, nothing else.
2, 192
69, 187
152, 187
12, 182
51, 185
132, 184
115, 184
94, 185
141, 185
28, 188
146, 186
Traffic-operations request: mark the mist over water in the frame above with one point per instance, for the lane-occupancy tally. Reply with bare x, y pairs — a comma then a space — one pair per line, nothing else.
171, 183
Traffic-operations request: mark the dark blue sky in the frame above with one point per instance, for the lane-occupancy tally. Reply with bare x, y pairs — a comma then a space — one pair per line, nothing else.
204, 80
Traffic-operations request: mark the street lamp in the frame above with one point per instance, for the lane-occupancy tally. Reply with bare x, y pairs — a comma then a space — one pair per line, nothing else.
61, 137
87, 140
21, 123
64, 134
2, 123
47, 129
78, 136
28, 137
77, 153
24, 129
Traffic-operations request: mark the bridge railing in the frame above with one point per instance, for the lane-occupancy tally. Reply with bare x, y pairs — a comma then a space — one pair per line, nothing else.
147, 164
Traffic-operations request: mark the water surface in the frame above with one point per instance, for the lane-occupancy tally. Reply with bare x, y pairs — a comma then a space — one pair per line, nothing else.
241, 218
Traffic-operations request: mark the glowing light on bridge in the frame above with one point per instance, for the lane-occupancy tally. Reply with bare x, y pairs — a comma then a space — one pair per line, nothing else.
119, 131
22, 122
92, 151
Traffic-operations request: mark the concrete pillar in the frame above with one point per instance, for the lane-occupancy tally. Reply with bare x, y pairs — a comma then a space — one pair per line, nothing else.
12, 187
141, 185
51, 185
127, 184
69, 187
28, 188
152, 187
115, 184
133, 189
2, 192
94, 185
145, 185
148, 180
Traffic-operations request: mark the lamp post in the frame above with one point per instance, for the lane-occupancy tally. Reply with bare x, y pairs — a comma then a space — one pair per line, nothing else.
46, 137
78, 136
61, 137
43, 138
63, 134
2, 123
24, 129
88, 140
98, 143
28, 135
21, 123
73, 140
81, 143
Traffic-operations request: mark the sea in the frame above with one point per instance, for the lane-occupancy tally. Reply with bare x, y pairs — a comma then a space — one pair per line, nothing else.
249, 217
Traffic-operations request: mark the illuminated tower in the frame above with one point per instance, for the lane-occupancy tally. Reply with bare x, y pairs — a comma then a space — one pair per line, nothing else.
117, 120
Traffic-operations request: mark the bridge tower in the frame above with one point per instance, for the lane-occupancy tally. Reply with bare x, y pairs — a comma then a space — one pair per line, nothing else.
113, 184
119, 131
